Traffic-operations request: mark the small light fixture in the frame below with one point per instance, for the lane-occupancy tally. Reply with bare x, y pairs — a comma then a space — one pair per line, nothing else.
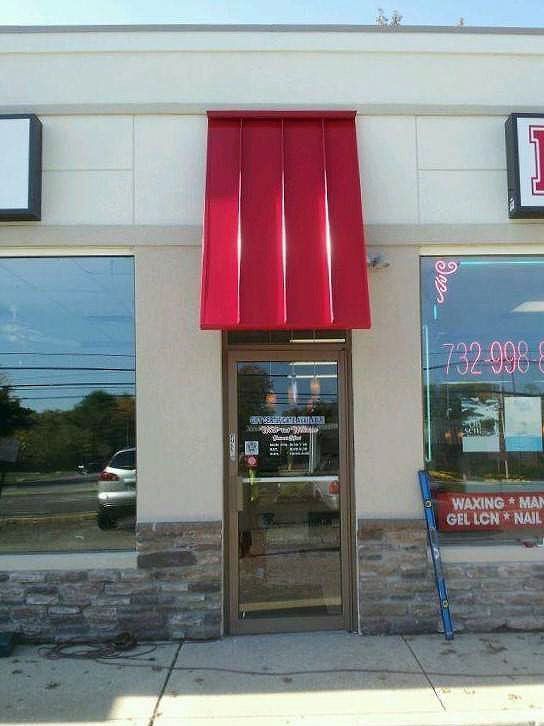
377, 262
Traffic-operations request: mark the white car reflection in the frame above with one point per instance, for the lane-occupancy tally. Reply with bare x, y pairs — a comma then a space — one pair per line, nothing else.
117, 489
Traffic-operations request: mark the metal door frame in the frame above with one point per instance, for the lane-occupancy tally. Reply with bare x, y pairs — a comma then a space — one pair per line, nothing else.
341, 354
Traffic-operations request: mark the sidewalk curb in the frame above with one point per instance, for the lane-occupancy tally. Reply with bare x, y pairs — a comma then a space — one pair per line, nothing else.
47, 518
445, 718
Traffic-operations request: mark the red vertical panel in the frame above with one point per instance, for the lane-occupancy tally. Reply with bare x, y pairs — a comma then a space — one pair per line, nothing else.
307, 274
219, 293
283, 230
351, 308
261, 267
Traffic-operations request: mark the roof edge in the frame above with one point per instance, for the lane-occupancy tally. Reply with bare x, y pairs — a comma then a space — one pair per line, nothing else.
193, 28
281, 114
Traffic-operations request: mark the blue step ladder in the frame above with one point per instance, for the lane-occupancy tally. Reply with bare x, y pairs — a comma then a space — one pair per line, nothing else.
432, 534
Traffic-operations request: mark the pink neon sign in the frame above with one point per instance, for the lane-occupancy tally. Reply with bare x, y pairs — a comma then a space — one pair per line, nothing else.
502, 356
443, 270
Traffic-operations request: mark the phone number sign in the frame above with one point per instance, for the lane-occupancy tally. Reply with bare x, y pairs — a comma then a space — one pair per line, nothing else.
459, 512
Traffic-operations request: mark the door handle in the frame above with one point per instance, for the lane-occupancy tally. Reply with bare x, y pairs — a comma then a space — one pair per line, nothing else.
232, 447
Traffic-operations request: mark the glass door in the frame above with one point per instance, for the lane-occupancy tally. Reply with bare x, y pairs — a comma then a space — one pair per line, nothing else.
287, 492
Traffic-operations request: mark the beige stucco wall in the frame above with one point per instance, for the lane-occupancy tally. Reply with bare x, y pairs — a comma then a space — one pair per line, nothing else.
202, 69
387, 407
178, 392
143, 170
124, 158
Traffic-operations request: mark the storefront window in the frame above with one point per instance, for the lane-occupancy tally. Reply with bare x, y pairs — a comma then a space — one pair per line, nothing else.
67, 404
483, 386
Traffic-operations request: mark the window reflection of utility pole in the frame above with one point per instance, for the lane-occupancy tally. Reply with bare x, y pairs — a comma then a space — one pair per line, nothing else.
502, 419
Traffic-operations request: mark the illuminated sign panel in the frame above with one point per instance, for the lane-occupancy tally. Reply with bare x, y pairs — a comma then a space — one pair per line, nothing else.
20, 168
525, 165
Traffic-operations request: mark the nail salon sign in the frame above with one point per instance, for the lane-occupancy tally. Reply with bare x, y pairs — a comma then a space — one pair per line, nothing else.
525, 165
472, 512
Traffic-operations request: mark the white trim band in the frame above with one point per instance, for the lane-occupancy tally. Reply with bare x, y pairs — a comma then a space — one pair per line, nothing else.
69, 561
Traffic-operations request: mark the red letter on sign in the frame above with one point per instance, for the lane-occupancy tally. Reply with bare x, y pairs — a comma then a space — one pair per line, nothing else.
536, 137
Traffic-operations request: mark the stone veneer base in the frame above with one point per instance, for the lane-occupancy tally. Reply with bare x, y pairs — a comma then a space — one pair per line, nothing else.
397, 592
176, 592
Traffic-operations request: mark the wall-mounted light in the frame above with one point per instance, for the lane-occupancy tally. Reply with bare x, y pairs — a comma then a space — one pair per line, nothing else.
377, 262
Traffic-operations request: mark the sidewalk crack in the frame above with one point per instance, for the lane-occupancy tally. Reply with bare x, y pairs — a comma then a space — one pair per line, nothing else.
424, 672
165, 684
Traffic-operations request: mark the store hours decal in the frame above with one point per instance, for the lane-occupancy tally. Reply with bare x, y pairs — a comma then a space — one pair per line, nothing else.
288, 435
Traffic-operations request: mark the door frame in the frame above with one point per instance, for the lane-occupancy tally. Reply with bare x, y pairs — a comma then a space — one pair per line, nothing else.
340, 352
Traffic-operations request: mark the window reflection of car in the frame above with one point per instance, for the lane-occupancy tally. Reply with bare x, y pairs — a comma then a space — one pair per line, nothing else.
117, 489
328, 492
92, 467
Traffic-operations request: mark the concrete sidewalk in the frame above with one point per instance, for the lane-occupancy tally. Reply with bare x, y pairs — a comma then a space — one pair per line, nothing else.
298, 679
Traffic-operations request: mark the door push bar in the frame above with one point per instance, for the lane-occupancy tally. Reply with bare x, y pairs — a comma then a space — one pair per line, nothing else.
432, 533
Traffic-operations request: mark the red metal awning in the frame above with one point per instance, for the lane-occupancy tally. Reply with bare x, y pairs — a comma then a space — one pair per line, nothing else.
283, 226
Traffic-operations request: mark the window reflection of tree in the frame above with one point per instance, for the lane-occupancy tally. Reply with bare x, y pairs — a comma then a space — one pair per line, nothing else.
92, 430
55, 440
254, 384
13, 417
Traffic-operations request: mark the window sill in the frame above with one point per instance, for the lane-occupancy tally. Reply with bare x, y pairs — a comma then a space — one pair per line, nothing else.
69, 561
488, 554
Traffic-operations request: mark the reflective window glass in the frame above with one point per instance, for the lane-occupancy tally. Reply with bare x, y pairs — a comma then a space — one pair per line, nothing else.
483, 381
67, 404
288, 489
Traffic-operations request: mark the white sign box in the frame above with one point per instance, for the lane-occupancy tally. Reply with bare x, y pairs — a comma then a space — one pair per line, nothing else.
20, 167
525, 165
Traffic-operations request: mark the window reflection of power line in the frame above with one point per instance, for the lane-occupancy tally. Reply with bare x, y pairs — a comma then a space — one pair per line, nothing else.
282, 398
84, 355
298, 374
55, 398
483, 351
108, 289
103, 384
63, 368
470, 360
61, 377
42, 291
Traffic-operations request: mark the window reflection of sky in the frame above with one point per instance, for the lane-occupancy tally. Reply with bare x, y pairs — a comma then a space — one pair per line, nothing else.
66, 328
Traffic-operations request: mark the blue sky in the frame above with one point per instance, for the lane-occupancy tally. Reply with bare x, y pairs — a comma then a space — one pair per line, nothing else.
66, 328
415, 12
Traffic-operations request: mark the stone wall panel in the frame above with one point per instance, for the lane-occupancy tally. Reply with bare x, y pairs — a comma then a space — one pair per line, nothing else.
397, 591
176, 592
